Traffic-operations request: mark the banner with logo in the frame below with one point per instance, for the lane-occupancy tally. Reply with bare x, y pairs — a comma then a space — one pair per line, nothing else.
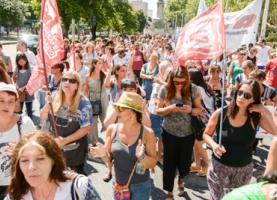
241, 27
202, 38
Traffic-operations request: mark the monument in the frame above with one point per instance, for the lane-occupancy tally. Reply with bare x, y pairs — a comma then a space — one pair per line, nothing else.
159, 25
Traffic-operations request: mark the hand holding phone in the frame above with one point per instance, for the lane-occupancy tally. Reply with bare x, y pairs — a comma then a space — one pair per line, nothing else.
179, 105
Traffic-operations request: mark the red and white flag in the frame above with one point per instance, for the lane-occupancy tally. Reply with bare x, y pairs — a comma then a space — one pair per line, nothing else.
52, 47
202, 38
71, 58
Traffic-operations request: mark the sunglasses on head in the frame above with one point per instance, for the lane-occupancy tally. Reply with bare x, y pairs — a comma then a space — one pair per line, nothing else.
179, 83
71, 80
119, 108
246, 95
127, 80
215, 71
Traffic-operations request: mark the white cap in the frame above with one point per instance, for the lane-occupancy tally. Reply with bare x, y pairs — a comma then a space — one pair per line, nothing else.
8, 87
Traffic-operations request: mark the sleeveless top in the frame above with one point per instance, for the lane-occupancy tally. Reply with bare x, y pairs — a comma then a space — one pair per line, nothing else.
125, 159
22, 79
94, 89
252, 59
237, 141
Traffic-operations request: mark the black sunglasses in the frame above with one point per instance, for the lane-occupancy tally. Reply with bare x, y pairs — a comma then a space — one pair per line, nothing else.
71, 80
179, 83
246, 95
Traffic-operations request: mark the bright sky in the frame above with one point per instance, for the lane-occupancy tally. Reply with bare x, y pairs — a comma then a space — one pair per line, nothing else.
152, 5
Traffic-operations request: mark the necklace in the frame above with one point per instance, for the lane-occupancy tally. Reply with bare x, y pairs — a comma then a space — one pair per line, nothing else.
47, 195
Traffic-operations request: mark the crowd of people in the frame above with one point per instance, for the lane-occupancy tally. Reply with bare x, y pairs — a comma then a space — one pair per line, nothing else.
128, 86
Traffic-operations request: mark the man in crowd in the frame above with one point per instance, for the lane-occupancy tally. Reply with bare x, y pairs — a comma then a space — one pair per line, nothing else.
263, 54
22, 47
139, 59
271, 68
7, 60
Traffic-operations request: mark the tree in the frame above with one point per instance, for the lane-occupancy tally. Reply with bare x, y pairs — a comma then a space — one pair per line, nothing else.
174, 10
141, 19
13, 12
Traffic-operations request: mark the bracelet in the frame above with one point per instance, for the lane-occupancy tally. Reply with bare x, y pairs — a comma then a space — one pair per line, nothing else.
107, 155
142, 157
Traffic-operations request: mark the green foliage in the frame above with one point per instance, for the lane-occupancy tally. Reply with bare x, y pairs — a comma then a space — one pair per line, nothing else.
272, 37
13, 12
176, 9
141, 17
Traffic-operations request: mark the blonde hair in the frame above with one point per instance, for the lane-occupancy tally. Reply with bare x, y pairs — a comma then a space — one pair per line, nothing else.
253, 49
154, 54
58, 101
87, 46
189, 61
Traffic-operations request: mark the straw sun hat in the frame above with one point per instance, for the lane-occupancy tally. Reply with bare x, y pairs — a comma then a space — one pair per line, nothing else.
130, 100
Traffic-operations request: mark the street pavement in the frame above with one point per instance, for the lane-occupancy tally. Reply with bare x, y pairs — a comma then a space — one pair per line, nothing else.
195, 187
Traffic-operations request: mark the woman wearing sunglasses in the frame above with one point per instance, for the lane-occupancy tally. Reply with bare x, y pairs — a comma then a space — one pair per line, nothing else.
268, 97
96, 91
73, 119
214, 80
128, 142
175, 105
127, 85
231, 163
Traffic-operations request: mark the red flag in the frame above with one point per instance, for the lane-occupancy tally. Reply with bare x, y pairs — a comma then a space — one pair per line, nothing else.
202, 38
71, 58
53, 47
37, 78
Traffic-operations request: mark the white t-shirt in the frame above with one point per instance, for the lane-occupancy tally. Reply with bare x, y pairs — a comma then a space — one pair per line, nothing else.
262, 55
82, 73
162, 54
152, 106
31, 57
208, 101
27, 125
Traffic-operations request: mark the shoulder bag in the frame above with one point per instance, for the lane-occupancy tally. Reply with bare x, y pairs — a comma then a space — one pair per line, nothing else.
96, 105
198, 127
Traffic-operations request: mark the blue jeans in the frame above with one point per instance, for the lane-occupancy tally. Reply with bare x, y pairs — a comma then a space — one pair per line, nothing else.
156, 124
261, 67
140, 191
28, 108
41, 98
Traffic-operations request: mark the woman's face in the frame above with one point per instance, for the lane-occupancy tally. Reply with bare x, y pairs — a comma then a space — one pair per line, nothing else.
55, 70
122, 72
125, 115
90, 49
7, 104
246, 70
241, 55
35, 166
69, 84
179, 82
154, 60
215, 72
244, 96
22, 62
99, 65
66, 44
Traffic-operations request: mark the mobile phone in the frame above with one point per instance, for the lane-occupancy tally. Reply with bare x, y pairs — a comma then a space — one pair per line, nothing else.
179, 105
91, 145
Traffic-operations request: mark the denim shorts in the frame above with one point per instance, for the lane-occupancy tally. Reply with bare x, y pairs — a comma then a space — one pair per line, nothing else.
156, 124
141, 191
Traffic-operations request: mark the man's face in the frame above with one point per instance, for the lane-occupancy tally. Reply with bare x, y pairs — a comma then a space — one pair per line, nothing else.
120, 54
20, 47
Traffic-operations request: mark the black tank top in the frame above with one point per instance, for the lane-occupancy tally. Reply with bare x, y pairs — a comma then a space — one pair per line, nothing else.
252, 59
237, 142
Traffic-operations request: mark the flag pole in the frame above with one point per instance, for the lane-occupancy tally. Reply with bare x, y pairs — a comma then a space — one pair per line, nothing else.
263, 29
45, 72
224, 68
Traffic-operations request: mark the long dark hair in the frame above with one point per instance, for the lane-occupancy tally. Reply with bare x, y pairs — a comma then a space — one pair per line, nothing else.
92, 68
233, 109
196, 77
179, 72
3, 76
21, 56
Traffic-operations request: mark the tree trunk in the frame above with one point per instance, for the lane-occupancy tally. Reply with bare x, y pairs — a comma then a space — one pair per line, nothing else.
93, 31
66, 28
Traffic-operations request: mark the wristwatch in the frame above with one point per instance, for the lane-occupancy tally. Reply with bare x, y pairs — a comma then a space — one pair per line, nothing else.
142, 157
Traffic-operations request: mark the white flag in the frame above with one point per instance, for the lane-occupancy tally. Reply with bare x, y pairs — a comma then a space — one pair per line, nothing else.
202, 7
241, 27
